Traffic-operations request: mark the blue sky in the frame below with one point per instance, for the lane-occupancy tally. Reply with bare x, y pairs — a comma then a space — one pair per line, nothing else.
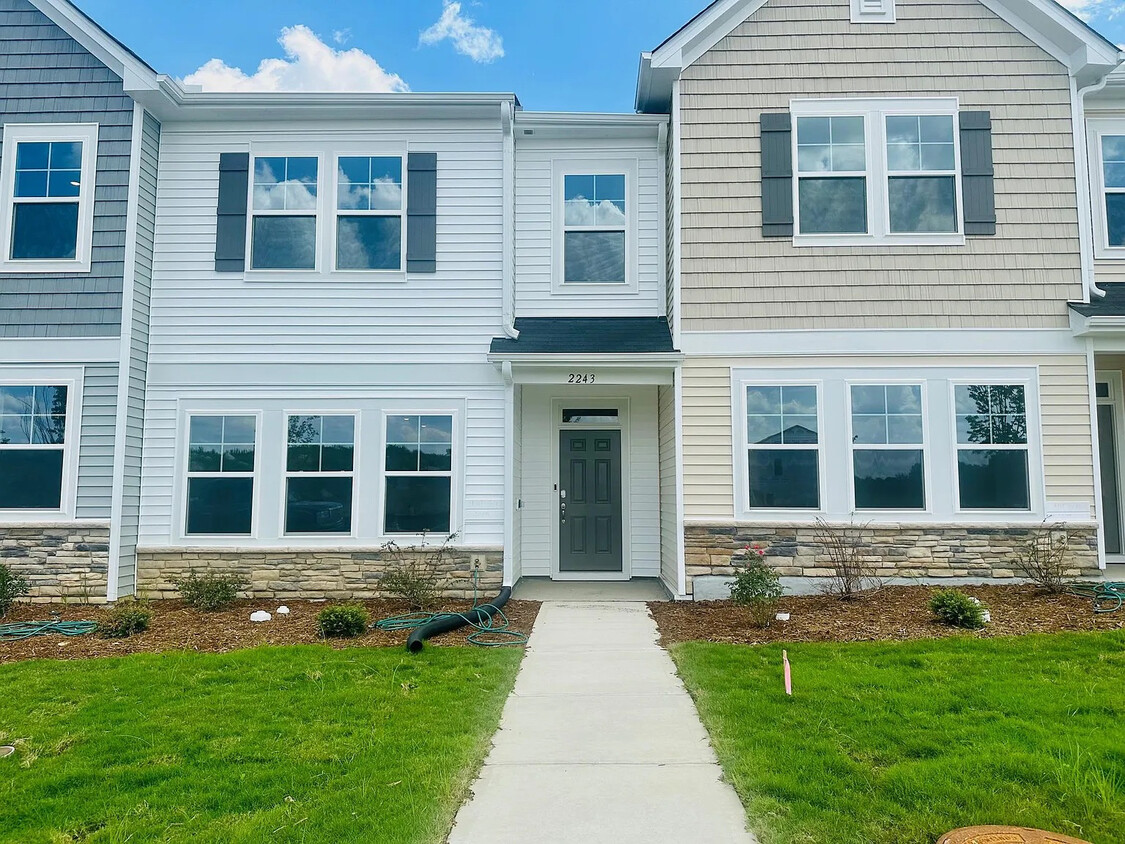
555, 54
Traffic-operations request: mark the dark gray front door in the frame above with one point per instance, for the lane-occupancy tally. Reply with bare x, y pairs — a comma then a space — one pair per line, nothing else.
590, 501
1111, 495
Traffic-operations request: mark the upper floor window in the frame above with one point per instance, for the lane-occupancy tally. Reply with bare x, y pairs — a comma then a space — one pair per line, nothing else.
32, 446
369, 203
872, 170
1113, 187
48, 173
284, 232
595, 228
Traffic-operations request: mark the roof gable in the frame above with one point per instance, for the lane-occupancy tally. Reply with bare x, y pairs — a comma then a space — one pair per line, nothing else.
1086, 54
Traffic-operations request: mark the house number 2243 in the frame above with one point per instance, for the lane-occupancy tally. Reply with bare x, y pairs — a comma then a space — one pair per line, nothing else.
580, 378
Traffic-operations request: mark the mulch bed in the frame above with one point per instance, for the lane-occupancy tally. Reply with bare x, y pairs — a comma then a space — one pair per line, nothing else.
178, 627
896, 612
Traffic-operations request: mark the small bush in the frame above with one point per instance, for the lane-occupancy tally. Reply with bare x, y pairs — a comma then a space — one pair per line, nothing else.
210, 591
957, 609
415, 573
1045, 557
12, 586
758, 588
343, 622
124, 619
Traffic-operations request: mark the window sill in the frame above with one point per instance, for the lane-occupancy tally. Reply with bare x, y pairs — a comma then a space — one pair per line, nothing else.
36, 518
880, 242
321, 276
593, 288
18, 267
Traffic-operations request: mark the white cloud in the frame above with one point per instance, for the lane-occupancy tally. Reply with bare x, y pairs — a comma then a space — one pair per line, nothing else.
479, 43
1087, 9
310, 65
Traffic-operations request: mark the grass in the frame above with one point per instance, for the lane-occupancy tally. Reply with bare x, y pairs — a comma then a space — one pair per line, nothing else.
896, 743
271, 744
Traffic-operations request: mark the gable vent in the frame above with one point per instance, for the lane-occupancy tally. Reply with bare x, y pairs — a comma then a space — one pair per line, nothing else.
873, 11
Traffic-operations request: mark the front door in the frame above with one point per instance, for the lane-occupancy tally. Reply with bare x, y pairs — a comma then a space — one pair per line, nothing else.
590, 501
1111, 494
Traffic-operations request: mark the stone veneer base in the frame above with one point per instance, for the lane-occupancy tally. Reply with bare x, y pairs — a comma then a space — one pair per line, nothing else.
67, 561
910, 551
333, 574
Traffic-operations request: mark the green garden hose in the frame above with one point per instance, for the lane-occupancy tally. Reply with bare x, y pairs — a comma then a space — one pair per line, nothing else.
1107, 597
27, 629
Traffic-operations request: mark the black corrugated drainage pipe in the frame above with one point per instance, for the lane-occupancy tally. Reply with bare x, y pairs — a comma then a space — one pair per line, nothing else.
479, 615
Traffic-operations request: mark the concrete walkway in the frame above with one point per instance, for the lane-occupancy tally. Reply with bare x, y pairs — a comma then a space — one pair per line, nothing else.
599, 742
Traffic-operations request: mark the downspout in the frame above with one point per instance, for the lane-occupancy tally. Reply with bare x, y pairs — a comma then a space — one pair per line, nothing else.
509, 474
1082, 183
508, 287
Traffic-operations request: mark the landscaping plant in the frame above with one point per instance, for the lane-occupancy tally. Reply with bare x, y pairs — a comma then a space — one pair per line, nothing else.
957, 609
851, 573
416, 573
124, 619
757, 587
342, 622
1043, 557
210, 591
12, 586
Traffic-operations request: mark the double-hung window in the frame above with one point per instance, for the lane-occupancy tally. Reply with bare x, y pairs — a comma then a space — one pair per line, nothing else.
369, 213
783, 451
32, 444
877, 171
595, 228
888, 456
220, 475
992, 447
319, 466
1113, 186
48, 173
419, 474
284, 230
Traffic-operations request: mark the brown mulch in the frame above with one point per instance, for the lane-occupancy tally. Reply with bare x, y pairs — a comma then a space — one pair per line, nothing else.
896, 612
178, 627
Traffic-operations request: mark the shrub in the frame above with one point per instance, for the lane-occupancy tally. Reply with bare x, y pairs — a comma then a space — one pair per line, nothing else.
210, 591
342, 622
1042, 558
957, 609
757, 587
851, 573
124, 619
416, 574
12, 586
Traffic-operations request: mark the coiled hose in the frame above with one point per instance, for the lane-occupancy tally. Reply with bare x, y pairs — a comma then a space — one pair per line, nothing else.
1107, 597
27, 629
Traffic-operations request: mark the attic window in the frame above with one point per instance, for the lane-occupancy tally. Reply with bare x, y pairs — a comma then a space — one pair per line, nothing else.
873, 11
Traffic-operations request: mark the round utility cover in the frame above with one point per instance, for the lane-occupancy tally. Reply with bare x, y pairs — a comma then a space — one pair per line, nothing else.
1006, 835
6, 750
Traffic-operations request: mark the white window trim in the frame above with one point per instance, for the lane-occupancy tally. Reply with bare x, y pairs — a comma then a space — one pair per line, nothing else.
874, 113
286, 475
743, 488
337, 212
318, 214
873, 11
561, 168
456, 474
186, 475
1031, 416
15, 133
1098, 128
72, 379
924, 446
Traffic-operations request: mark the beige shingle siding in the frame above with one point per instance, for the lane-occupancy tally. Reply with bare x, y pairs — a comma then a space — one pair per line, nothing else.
708, 447
1022, 277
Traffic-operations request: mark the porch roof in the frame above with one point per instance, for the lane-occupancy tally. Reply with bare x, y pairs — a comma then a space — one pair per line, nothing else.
586, 336
1112, 304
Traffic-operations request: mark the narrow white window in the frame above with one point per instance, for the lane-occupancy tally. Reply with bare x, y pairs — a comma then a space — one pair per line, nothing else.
921, 174
1113, 184
832, 175
992, 447
782, 440
32, 445
369, 213
888, 452
48, 174
319, 469
419, 474
283, 234
220, 475
594, 229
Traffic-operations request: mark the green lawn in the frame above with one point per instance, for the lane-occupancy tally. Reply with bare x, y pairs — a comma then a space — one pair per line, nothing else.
271, 744
896, 743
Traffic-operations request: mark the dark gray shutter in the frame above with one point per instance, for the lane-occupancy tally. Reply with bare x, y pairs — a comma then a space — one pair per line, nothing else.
421, 212
230, 234
977, 186
777, 174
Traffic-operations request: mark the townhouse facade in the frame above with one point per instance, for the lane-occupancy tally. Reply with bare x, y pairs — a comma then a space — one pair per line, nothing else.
844, 265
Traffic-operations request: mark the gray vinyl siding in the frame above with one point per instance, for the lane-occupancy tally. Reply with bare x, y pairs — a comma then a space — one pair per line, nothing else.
95, 454
138, 357
48, 77
734, 279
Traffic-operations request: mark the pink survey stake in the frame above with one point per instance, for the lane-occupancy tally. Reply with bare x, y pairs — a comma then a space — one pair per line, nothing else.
788, 673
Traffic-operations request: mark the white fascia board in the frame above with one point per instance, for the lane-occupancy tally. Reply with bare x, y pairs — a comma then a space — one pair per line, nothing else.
657, 360
704, 32
134, 73
1097, 326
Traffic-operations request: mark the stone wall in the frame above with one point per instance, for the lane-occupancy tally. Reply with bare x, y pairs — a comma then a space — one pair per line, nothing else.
894, 551
67, 561
334, 574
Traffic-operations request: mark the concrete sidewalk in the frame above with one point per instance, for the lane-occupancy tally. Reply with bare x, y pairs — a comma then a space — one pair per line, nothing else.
599, 742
